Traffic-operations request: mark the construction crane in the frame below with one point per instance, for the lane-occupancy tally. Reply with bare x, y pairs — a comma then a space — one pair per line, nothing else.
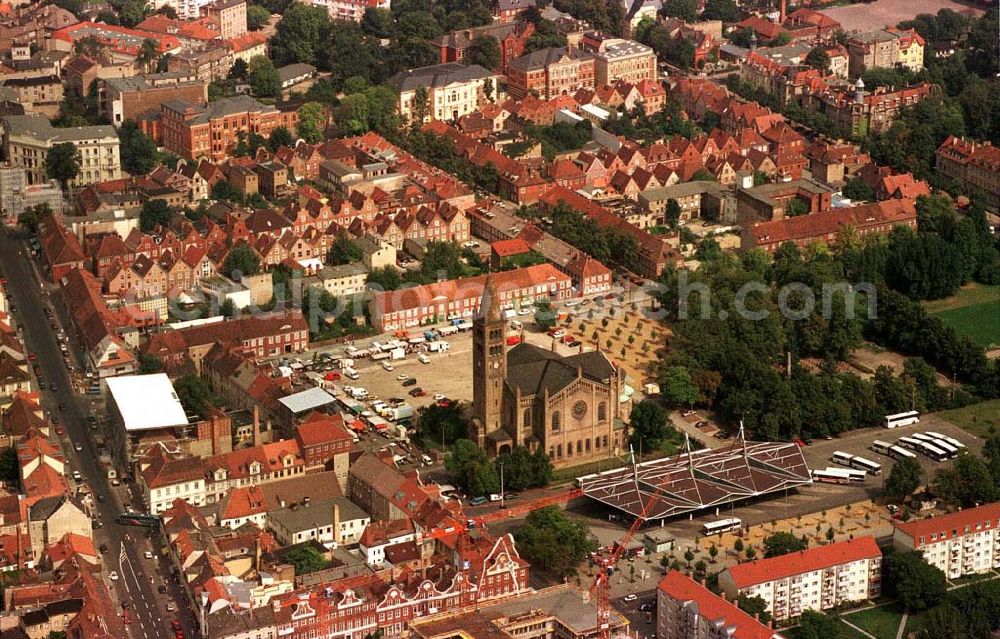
607, 560
469, 524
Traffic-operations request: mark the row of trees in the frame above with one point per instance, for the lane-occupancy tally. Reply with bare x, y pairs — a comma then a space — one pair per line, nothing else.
478, 475
608, 245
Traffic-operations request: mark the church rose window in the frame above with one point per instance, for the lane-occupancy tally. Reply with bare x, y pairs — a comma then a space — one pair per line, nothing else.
579, 409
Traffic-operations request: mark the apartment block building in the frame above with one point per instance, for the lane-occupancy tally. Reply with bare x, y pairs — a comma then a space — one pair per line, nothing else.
124, 99
686, 609
193, 132
27, 140
16, 195
352, 10
818, 578
511, 36
409, 307
976, 165
228, 16
453, 90
37, 93
962, 543
885, 48
551, 72
617, 59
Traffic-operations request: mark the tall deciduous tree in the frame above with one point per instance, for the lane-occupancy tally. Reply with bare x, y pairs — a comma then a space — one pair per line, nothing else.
312, 122
648, 425
484, 51
63, 163
264, 79
904, 478
242, 260
553, 542
257, 17
914, 582
782, 543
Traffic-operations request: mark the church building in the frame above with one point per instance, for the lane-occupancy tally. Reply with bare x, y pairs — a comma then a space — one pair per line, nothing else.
572, 407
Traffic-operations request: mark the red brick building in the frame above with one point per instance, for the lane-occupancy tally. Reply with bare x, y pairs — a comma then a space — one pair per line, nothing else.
194, 132
551, 72
511, 36
822, 227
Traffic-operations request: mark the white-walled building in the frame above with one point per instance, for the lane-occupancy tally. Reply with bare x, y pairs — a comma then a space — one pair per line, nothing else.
818, 578
453, 90
686, 609
961, 543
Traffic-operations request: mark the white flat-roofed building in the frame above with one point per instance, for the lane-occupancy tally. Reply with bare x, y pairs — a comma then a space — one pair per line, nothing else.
814, 579
962, 543
146, 402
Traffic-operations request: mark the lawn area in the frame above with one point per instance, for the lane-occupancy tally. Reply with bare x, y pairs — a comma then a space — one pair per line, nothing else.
883, 622
976, 418
846, 632
973, 311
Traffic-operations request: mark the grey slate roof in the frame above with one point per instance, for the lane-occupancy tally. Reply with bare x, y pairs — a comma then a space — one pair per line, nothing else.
545, 57
39, 127
437, 75
533, 369
291, 71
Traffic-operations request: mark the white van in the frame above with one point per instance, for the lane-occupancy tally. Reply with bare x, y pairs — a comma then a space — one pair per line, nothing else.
423, 359
350, 373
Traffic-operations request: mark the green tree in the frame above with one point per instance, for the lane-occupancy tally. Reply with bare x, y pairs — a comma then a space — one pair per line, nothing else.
782, 543
195, 394
442, 424
545, 317
63, 163
130, 12
967, 483
155, 213
686, 10
32, 216
914, 582
10, 469
553, 542
239, 71
263, 77
796, 207
149, 363
818, 625
858, 190
677, 386
149, 50
242, 260
472, 469
648, 425
300, 33
280, 137
725, 10
484, 50
523, 469
904, 478
312, 122
138, 150
257, 17
818, 59
343, 251
673, 213
228, 309
755, 607
385, 278
306, 559
377, 22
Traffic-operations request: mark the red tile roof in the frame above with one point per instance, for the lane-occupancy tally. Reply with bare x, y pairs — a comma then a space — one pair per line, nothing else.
506, 248
714, 608
949, 526
810, 560
817, 225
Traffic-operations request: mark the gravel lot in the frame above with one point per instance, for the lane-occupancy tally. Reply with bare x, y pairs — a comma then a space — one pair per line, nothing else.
865, 17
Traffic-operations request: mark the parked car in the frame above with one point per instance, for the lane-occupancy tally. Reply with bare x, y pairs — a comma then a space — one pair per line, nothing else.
478, 501
417, 392
113, 575
630, 597
412, 381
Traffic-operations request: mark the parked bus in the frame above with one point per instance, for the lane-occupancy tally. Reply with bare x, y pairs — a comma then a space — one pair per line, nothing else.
898, 453
857, 476
924, 437
721, 526
909, 443
946, 447
867, 465
902, 419
932, 451
842, 458
945, 438
832, 476
881, 447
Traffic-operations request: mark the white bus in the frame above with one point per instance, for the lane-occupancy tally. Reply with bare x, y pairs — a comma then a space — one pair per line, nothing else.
867, 465
909, 443
902, 419
721, 526
945, 438
841, 458
881, 447
946, 447
932, 451
898, 453
923, 437
839, 476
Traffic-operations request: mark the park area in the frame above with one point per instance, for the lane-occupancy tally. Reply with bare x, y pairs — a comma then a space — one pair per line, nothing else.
974, 311
883, 13
976, 418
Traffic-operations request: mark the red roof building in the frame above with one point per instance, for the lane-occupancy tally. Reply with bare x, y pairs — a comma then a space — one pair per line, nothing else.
961, 543
687, 610
813, 579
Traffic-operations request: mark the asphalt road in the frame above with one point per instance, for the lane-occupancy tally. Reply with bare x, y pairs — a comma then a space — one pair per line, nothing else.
126, 545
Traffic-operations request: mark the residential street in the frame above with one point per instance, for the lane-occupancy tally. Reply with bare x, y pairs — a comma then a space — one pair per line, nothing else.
138, 576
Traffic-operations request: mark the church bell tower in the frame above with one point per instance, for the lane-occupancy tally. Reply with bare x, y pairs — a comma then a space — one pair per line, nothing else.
489, 364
